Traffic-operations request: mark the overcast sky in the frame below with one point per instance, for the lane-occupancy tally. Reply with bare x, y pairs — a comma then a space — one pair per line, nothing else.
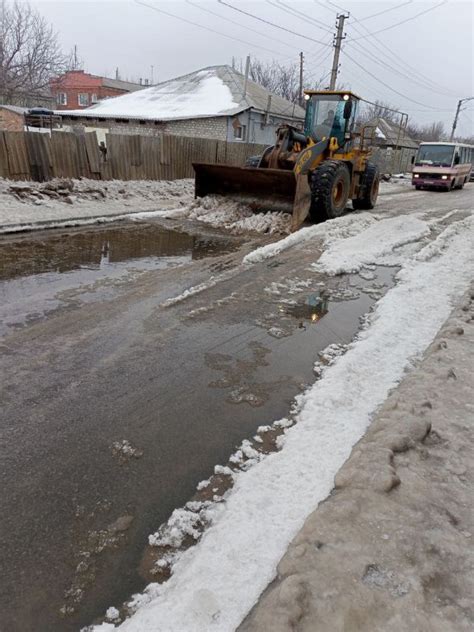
430, 56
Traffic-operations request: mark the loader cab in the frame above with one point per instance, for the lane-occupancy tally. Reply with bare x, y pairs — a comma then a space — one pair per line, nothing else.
330, 115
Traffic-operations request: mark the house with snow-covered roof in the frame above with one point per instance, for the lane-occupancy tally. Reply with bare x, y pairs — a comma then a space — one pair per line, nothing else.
215, 102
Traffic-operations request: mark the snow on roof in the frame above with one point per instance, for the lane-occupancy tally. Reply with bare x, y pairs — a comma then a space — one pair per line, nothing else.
389, 133
212, 91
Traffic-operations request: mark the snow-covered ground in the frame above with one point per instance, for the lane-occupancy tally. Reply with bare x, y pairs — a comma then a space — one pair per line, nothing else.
215, 583
26, 205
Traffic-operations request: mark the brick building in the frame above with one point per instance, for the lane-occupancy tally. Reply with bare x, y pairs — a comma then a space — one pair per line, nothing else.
76, 89
215, 102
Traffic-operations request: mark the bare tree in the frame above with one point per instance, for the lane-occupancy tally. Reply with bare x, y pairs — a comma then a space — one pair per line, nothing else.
431, 132
379, 109
279, 79
29, 53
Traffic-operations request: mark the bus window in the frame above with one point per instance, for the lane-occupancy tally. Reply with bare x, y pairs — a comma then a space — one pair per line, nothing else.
435, 155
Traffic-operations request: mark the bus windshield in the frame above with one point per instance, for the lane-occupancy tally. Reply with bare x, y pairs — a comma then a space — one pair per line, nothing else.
435, 155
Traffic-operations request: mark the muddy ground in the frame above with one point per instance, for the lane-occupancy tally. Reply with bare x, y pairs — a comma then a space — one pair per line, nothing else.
118, 399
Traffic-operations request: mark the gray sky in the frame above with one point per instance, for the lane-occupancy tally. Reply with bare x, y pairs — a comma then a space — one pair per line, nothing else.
431, 56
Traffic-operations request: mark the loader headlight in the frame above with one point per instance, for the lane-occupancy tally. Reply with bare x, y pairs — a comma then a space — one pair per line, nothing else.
444, 177
346, 97
416, 175
307, 97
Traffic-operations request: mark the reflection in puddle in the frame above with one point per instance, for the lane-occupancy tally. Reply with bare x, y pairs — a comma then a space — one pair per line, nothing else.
313, 309
103, 248
41, 272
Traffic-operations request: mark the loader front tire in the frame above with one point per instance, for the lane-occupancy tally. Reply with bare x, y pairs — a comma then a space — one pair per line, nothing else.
370, 184
330, 185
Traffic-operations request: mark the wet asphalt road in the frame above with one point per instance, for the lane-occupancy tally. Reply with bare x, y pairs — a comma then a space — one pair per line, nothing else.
90, 357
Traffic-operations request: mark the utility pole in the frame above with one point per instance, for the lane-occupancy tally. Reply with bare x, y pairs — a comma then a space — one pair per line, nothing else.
300, 99
456, 116
337, 48
246, 78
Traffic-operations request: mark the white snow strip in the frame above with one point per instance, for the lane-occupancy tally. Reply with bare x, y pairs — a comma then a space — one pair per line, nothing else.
104, 219
201, 287
334, 229
217, 582
349, 255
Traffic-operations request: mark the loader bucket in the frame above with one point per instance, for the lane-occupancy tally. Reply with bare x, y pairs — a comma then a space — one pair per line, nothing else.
262, 189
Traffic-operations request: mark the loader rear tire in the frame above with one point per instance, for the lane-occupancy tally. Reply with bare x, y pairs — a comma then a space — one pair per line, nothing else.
370, 182
330, 185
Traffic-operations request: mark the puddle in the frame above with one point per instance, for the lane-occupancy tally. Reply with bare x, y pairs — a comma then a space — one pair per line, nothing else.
41, 272
313, 309
103, 249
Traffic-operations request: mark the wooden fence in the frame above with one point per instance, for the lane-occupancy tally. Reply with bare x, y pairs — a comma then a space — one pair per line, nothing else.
37, 156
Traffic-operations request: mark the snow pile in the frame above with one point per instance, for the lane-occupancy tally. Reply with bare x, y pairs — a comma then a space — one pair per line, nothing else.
63, 189
199, 94
350, 255
215, 584
336, 229
238, 217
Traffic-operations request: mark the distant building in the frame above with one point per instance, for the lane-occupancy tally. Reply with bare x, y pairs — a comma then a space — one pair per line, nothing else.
215, 102
394, 148
76, 89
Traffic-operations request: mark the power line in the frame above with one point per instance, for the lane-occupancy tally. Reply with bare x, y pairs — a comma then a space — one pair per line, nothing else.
301, 16
386, 49
385, 84
277, 26
386, 64
373, 15
392, 26
248, 28
417, 77
206, 28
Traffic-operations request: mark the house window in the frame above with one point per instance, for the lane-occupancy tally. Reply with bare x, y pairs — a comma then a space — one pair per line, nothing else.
83, 98
94, 98
240, 132
61, 98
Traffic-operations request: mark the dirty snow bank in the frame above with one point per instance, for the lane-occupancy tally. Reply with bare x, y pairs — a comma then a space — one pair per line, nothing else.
33, 205
216, 583
349, 255
339, 228
392, 545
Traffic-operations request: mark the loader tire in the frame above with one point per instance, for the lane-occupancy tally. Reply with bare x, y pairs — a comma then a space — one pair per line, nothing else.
330, 184
370, 183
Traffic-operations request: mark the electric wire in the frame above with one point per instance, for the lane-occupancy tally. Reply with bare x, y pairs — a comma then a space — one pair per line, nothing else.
277, 26
386, 64
248, 28
385, 50
404, 96
206, 28
300, 15
392, 26
374, 15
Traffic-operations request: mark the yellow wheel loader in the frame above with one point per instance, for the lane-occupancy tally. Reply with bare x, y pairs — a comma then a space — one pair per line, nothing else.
313, 173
